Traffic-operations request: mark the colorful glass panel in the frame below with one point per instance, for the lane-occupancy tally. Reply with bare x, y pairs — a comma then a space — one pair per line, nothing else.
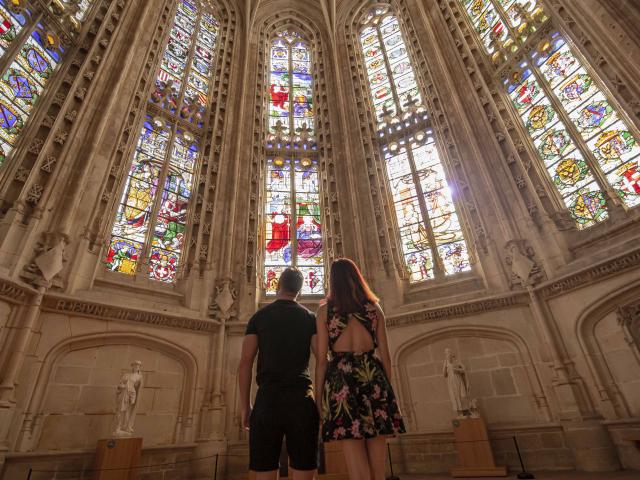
391, 77
562, 159
607, 136
430, 233
21, 86
152, 218
293, 223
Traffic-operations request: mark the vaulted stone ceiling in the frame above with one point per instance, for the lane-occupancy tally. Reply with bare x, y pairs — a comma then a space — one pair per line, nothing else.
324, 13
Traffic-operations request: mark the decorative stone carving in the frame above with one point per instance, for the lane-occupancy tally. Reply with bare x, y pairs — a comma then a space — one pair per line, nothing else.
525, 270
226, 294
127, 400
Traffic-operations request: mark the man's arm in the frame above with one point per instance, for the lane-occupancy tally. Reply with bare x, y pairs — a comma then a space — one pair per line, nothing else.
245, 369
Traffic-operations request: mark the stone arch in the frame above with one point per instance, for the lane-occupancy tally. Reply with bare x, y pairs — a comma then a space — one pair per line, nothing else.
33, 416
470, 332
604, 381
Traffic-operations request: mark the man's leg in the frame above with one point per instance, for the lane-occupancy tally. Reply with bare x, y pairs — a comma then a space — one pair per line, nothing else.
265, 437
303, 474
301, 434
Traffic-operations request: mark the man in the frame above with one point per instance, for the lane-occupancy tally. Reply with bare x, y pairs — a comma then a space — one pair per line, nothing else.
281, 334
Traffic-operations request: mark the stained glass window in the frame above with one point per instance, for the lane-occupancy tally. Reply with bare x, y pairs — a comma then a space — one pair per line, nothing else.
152, 214
293, 223
432, 241
35, 54
585, 145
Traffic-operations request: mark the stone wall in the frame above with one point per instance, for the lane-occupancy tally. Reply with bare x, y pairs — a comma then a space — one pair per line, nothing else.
497, 373
80, 398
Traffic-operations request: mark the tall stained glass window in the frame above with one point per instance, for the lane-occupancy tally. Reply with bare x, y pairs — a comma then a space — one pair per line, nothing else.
432, 240
293, 225
150, 225
30, 52
586, 146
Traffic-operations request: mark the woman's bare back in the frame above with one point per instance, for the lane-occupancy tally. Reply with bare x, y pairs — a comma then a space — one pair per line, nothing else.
354, 338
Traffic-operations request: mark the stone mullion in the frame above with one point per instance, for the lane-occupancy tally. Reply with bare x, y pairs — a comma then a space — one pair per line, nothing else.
529, 176
329, 205
471, 222
385, 218
616, 72
255, 234
99, 230
201, 244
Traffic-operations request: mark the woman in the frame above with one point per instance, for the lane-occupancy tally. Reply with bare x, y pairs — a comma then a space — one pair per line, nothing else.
354, 393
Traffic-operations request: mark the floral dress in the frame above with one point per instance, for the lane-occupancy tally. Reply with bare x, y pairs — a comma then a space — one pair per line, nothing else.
358, 401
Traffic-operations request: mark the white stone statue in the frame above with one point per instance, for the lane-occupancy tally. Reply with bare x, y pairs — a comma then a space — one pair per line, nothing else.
127, 399
458, 386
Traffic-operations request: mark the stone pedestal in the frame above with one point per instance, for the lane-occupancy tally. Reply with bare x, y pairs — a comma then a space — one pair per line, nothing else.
474, 450
116, 459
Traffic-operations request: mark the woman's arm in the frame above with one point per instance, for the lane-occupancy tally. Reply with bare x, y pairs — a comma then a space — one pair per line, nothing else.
383, 344
322, 345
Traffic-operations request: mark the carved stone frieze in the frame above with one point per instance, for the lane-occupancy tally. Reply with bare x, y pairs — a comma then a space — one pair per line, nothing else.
57, 304
592, 274
473, 307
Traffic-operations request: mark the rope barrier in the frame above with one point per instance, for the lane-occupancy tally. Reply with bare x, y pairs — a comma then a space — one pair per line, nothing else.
217, 456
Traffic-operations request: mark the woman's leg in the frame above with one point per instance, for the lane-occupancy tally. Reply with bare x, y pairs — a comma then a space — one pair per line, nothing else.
377, 456
355, 456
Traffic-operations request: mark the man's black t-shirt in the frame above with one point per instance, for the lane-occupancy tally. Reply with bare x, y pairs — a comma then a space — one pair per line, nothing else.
284, 330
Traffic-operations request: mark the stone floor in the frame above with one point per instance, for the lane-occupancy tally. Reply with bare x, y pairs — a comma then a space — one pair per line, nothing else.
621, 475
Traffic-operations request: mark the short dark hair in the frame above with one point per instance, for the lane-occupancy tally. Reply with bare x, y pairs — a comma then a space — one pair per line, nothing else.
291, 280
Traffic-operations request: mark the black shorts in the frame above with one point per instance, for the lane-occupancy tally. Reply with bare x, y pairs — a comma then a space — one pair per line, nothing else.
283, 412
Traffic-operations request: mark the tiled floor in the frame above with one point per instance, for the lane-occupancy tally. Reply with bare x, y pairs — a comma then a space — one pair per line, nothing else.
622, 475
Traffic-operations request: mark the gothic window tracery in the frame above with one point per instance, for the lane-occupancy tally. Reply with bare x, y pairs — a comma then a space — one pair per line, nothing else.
293, 223
587, 146
33, 42
432, 239
151, 219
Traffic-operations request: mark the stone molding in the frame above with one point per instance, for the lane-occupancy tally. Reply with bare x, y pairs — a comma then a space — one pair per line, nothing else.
460, 310
13, 292
67, 305
591, 274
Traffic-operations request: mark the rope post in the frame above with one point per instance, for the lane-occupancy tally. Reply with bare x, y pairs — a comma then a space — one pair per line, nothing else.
29, 474
392, 477
215, 468
523, 474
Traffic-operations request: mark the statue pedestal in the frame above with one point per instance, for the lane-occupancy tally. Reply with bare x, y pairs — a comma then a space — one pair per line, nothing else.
474, 450
117, 453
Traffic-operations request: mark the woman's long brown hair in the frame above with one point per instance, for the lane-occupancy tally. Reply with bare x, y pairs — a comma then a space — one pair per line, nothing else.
348, 290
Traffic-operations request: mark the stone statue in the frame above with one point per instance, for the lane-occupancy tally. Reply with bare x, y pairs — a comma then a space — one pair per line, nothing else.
458, 386
127, 399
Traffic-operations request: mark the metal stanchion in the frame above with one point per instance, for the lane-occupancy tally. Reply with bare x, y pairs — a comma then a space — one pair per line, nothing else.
29, 474
215, 468
392, 477
523, 473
